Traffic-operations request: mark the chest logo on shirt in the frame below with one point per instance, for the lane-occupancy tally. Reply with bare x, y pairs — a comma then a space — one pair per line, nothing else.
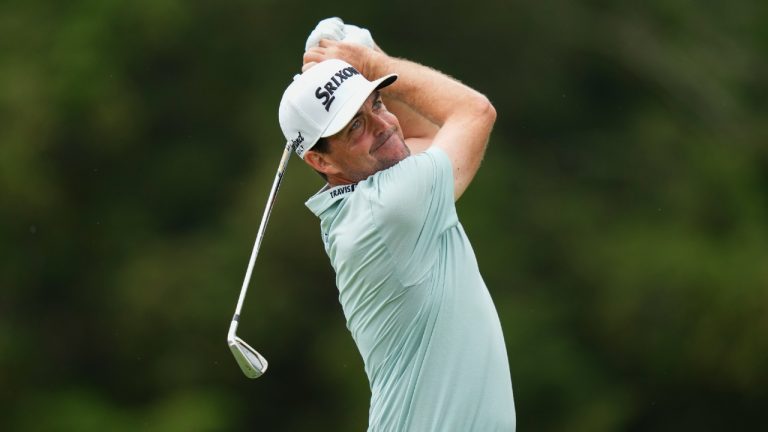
341, 190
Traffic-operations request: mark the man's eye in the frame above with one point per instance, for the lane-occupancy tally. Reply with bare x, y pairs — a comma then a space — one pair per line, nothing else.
355, 125
378, 103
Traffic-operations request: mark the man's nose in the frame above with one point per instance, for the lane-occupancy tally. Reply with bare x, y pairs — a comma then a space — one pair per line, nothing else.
380, 124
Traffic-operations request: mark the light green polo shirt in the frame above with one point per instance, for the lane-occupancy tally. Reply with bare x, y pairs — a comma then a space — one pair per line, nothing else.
415, 302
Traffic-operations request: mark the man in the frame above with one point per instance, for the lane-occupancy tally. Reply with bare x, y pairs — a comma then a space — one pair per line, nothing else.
407, 277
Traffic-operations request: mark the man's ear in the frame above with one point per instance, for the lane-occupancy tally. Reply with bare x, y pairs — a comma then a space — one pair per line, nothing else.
321, 162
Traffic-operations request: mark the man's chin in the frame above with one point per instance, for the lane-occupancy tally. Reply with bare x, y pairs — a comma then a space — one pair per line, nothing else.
389, 162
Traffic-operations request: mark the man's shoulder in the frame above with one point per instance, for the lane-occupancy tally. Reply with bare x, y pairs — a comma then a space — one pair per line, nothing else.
411, 171
405, 192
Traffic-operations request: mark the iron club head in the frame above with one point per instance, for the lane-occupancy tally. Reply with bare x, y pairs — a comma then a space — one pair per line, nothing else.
251, 362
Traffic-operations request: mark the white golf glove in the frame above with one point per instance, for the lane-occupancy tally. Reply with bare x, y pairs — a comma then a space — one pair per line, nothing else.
335, 29
329, 28
355, 34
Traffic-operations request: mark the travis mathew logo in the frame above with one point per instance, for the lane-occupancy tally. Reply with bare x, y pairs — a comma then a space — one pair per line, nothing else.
296, 143
341, 190
326, 96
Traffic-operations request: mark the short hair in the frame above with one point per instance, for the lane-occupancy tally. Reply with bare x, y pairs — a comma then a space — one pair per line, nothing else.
322, 146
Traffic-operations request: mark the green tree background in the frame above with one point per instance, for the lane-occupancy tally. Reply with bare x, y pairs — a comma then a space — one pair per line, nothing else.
619, 217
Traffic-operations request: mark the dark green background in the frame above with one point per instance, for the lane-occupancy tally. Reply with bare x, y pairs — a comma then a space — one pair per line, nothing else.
620, 218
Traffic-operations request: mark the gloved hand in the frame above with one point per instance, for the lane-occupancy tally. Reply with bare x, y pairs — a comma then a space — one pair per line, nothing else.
329, 28
355, 34
335, 29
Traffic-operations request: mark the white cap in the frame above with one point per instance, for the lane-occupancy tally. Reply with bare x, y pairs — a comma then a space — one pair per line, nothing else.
322, 100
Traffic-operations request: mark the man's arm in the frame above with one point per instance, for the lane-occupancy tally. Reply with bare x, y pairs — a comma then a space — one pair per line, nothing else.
464, 116
417, 130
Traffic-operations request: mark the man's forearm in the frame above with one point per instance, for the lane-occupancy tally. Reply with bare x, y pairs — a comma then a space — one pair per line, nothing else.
432, 94
464, 116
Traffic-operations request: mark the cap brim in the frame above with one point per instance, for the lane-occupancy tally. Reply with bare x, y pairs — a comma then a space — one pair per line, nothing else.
353, 104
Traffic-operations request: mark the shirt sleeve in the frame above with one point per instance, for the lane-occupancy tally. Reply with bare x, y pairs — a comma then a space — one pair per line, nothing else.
412, 208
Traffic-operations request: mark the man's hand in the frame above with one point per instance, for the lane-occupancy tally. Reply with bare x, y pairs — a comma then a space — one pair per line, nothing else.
329, 28
442, 112
334, 29
357, 55
355, 34
433, 108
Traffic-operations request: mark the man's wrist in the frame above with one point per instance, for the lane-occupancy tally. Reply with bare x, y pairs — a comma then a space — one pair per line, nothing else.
377, 65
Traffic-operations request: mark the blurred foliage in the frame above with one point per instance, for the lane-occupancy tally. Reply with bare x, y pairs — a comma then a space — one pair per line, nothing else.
619, 218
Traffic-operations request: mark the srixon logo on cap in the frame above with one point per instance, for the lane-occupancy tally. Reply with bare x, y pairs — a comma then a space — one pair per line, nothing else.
325, 93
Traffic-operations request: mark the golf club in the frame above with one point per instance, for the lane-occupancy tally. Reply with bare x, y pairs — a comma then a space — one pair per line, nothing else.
251, 362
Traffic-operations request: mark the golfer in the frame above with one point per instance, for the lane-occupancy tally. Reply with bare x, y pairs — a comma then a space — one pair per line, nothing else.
398, 143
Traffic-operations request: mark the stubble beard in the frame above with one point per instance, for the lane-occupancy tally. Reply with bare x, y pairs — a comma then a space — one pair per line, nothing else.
389, 162
386, 162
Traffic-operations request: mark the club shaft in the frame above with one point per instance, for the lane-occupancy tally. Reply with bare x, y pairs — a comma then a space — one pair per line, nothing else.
264, 219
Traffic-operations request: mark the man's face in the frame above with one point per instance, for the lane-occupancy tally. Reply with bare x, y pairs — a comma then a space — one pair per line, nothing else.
371, 142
